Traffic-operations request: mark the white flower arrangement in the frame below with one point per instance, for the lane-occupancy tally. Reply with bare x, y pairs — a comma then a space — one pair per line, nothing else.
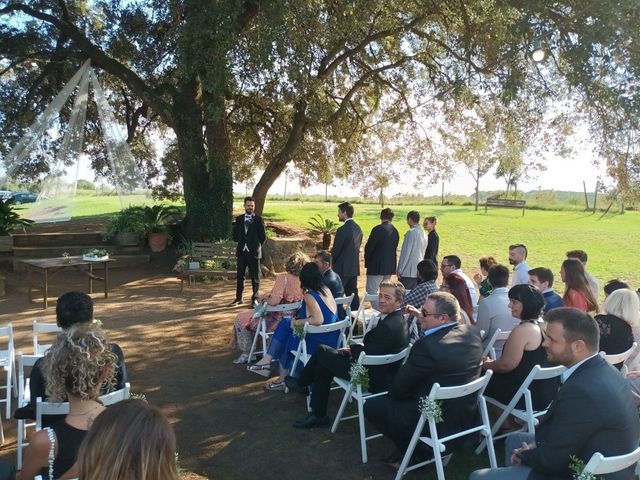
430, 409
359, 375
95, 255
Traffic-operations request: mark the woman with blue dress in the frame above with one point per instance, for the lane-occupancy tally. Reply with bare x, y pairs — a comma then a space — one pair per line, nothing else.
318, 308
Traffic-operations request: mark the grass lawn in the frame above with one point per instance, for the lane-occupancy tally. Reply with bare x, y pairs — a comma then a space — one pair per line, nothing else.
609, 241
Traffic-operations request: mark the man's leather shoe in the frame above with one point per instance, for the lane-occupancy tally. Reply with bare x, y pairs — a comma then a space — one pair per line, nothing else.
293, 384
236, 302
311, 421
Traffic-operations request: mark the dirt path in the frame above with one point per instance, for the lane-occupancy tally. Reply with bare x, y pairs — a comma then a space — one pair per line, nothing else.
176, 348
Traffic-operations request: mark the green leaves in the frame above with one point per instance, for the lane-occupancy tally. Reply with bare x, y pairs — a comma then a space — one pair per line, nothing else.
10, 219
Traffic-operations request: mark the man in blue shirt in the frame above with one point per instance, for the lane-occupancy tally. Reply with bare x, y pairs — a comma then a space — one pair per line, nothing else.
542, 278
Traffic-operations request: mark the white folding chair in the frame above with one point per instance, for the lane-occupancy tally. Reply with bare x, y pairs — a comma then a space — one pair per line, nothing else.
600, 465
262, 332
345, 302
436, 443
356, 393
39, 328
490, 349
363, 315
616, 358
24, 397
8, 364
117, 396
529, 416
301, 354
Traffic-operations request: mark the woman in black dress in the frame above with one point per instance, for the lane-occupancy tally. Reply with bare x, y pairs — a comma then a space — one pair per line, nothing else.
621, 314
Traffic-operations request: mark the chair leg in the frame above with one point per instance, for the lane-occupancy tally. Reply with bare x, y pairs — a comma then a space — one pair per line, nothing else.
343, 405
21, 432
412, 446
438, 460
9, 392
254, 343
363, 433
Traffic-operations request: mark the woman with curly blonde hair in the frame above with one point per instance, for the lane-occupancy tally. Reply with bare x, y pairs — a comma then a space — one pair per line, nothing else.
131, 440
76, 367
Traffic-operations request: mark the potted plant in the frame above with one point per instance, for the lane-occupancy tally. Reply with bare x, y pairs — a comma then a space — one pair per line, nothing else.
9, 220
156, 220
325, 227
126, 227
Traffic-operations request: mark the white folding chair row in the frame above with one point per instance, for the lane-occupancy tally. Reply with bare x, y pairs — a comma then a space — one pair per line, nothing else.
8, 364
616, 358
40, 328
363, 315
529, 416
345, 303
598, 464
24, 397
356, 393
498, 336
301, 354
261, 331
436, 443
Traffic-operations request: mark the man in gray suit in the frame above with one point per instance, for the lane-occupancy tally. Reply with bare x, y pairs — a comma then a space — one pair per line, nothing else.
413, 248
592, 412
346, 252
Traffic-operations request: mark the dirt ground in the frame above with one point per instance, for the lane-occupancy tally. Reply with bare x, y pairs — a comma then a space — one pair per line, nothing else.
177, 354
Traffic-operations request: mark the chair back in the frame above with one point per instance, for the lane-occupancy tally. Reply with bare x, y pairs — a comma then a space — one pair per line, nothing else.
458, 391
600, 465
542, 373
369, 360
6, 354
49, 408
616, 358
42, 327
363, 313
498, 336
284, 307
117, 396
24, 362
345, 304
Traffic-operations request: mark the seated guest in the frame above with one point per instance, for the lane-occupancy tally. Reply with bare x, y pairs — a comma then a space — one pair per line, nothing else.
452, 264
613, 285
72, 309
455, 285
331, 278
449, 353
522, 351
621, 315
387, 337
578, 293
76, 366
481, 279
286, 289
494, 311
542, 278
427, 274
318, 308
582, 256
130, 440
593, 410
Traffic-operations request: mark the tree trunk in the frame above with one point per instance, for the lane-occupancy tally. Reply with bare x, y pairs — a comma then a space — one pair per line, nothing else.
381, 197
477, 191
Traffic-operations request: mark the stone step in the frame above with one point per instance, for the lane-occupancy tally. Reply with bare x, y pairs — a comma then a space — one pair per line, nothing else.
121, 261
57, 251
57, 239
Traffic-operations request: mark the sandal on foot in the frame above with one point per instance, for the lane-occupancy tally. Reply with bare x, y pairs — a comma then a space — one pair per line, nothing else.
260, 369
275, 386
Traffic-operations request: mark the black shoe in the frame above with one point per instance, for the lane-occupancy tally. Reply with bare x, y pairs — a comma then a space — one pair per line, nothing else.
293, 384
311, 421
236, 302
25, 413
394, 459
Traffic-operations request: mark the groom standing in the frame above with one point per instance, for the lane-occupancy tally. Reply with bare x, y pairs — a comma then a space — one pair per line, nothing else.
249, 232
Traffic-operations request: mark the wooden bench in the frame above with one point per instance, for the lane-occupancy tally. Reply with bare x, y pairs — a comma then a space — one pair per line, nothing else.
504, 203
223, 254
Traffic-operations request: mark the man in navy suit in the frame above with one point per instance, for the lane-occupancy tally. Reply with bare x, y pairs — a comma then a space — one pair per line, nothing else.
592, 412
543, 279
331, 279
249, 232
380, 251
346, 252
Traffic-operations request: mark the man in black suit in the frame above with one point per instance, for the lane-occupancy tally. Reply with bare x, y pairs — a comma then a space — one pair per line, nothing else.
592, 412
249, 232
346, 252
448, 353
433, 239
387, 337
380, 251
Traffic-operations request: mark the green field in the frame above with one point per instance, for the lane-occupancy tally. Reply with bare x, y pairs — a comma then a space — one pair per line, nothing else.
611, 242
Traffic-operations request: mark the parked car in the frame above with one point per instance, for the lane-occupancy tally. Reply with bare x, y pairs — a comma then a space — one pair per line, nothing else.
24, 197
5, 195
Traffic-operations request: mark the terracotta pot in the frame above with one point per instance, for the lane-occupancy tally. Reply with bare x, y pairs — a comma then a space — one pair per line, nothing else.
157, 241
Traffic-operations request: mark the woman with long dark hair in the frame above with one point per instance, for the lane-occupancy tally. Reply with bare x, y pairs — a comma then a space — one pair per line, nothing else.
318, 308
456, 285
578, 293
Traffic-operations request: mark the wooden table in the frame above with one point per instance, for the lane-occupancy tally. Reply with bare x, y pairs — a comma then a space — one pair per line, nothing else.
49, 267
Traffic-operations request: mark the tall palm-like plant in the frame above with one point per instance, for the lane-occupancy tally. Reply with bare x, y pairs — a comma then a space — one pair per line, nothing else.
10, 219
325, 227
